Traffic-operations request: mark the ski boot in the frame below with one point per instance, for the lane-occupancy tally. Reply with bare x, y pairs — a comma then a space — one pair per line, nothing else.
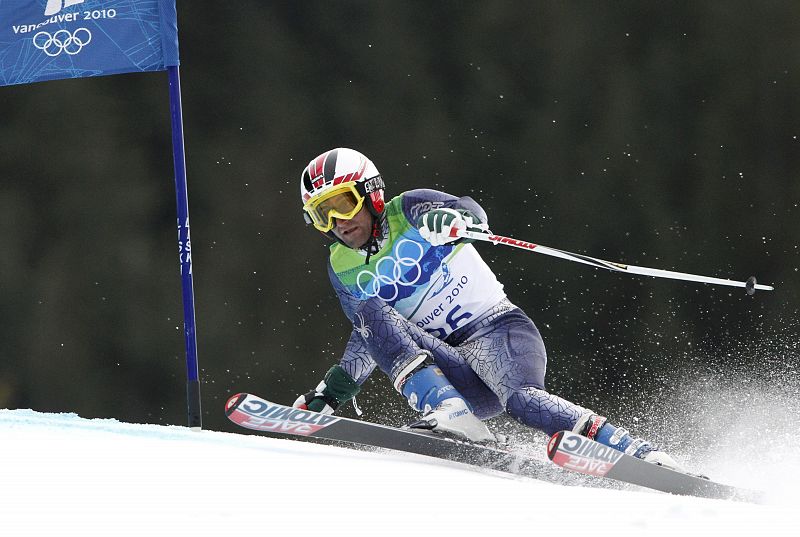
596, 428
443, 408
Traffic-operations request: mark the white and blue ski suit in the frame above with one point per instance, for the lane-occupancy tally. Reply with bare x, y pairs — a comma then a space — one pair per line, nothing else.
413, 296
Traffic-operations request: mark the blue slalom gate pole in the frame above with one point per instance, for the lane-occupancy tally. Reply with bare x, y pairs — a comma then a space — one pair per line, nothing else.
193, 407
53, 40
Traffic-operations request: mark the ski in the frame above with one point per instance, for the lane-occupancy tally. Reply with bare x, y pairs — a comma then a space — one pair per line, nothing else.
579, 454
257, 414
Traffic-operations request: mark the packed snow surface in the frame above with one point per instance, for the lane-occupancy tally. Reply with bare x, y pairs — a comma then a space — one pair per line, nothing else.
66, 475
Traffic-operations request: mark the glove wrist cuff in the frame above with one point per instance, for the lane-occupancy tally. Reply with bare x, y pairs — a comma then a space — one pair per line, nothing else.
340, 386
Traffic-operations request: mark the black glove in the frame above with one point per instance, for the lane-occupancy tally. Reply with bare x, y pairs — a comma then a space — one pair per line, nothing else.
336, 388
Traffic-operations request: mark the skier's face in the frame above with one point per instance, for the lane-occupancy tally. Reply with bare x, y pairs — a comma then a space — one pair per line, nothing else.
356, 231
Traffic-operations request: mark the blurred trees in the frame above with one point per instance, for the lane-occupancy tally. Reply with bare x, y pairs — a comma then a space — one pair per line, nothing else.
659, 135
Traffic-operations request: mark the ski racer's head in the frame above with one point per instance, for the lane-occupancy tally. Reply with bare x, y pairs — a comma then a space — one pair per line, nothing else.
342, 195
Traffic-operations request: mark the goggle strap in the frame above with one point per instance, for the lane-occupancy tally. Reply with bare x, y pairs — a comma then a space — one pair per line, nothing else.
372, 184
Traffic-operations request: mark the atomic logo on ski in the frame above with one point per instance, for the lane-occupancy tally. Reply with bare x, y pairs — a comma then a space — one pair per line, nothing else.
260, 415
580, 454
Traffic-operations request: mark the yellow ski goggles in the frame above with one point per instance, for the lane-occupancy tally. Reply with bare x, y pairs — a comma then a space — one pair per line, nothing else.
343, 202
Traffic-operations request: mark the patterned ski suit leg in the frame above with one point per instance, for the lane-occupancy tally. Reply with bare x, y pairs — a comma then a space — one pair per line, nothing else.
502, 368
393, 342
510, 357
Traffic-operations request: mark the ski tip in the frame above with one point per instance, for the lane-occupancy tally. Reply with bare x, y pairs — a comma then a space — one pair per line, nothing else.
234, 402
552, 445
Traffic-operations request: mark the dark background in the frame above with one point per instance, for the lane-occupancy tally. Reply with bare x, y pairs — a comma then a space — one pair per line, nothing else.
659, 135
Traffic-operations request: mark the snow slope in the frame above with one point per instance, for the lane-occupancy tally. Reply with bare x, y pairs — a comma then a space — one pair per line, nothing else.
65, 475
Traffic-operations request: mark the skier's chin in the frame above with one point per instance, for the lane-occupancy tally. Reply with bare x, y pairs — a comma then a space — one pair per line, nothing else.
352, 239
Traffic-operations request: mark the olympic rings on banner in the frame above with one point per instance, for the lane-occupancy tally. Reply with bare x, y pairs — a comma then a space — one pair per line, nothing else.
62, 41
389, 276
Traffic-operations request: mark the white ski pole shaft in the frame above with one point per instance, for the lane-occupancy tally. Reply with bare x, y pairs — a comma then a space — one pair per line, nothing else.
750, 285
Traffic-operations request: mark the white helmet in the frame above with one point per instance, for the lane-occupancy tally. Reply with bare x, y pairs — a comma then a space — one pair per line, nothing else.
337, 184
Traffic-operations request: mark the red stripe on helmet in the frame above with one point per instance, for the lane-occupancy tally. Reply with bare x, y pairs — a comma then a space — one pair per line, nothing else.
352, 176
345, 178
361, 170
317, 166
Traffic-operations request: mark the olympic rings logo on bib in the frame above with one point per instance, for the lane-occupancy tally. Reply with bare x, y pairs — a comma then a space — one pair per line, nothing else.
388, 277
62, 41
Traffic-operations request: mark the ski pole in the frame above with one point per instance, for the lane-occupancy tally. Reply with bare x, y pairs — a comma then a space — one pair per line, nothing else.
750, 285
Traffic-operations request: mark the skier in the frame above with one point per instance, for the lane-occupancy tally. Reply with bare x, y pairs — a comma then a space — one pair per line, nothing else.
430, 313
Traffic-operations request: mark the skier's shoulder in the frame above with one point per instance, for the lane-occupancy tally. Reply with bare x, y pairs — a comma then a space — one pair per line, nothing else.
418, 201
420, 195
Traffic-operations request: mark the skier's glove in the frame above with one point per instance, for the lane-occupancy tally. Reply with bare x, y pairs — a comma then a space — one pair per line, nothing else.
336, 388
435, 225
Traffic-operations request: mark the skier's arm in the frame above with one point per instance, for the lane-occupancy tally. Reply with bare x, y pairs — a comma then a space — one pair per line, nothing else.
342, 382
437, 213
356, 361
